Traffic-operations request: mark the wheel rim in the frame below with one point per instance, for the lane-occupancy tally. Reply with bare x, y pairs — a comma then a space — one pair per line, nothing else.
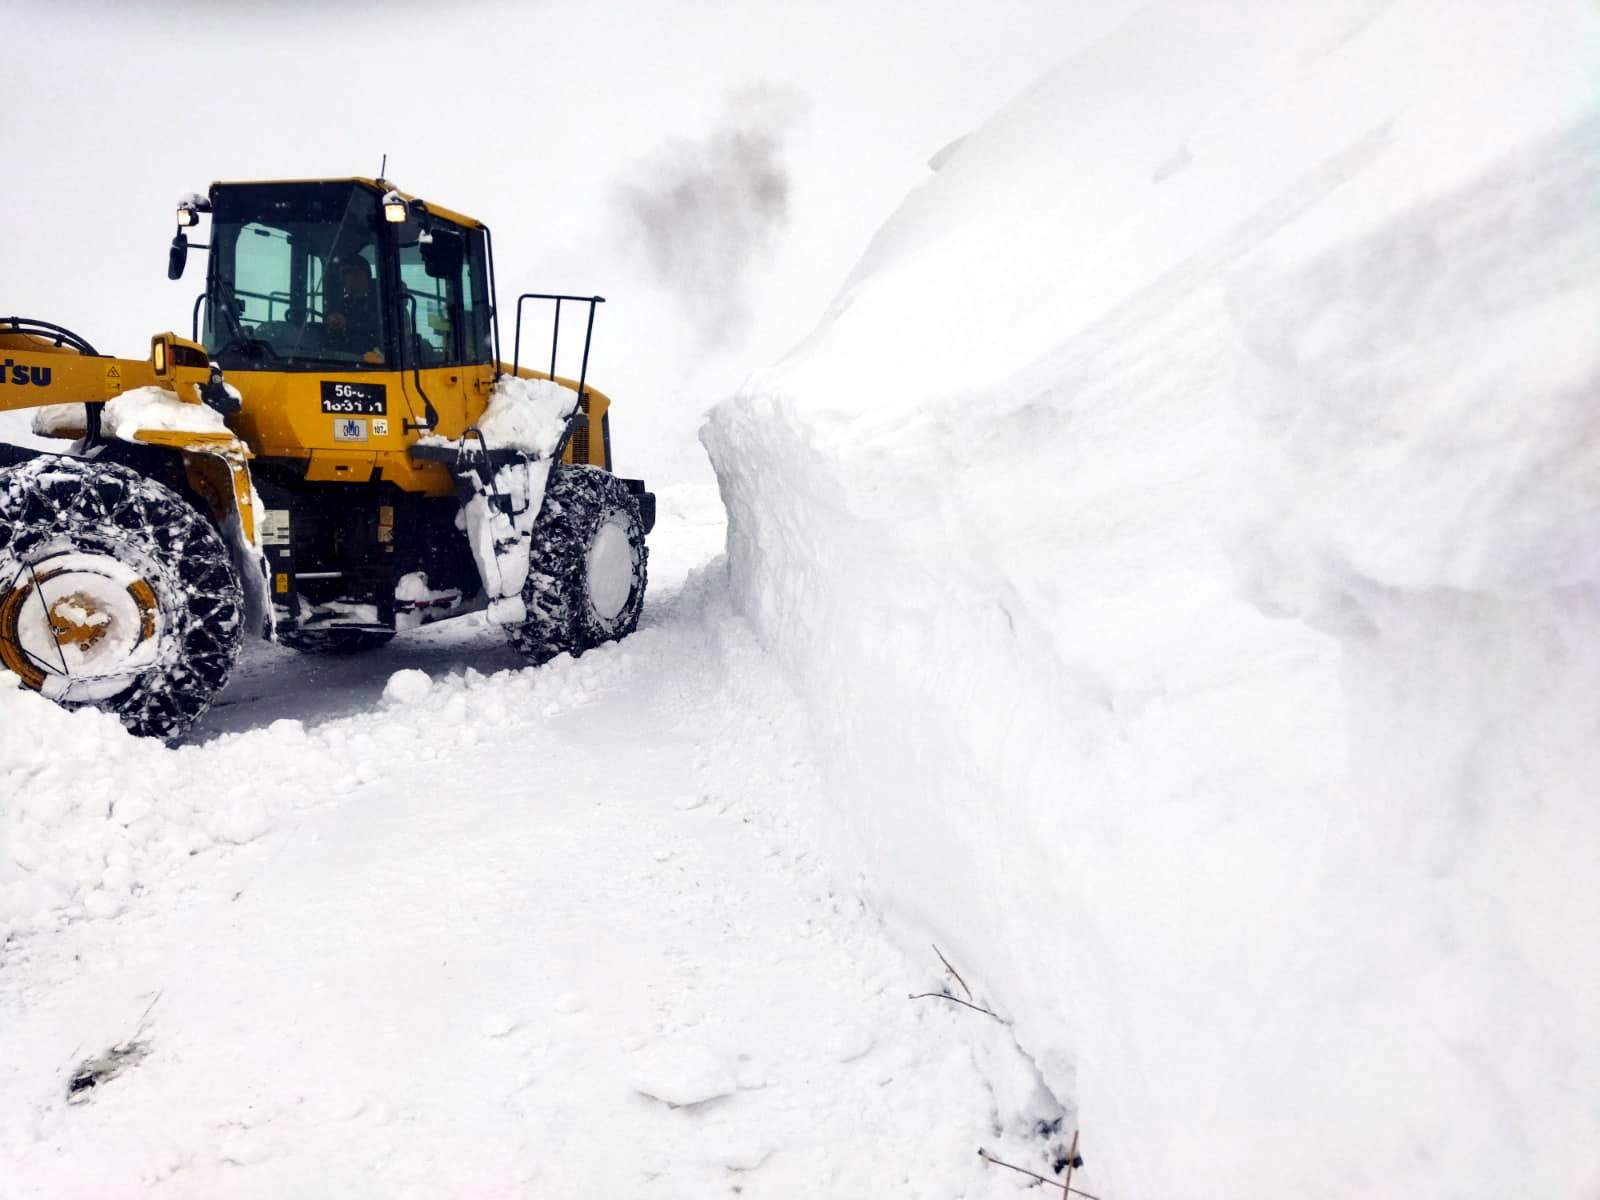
79, 625
610, 567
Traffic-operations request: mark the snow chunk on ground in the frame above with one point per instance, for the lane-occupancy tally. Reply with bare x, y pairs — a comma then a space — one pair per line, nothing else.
407, 686
681, 1073
160, 409
497, 1025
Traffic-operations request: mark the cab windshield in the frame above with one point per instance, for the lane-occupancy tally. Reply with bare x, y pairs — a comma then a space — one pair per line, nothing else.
295, 274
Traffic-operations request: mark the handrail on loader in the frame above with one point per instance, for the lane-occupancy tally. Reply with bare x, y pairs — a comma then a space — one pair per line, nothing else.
555, 336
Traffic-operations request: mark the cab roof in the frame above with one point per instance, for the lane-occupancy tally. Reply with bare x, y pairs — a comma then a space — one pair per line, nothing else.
380, 186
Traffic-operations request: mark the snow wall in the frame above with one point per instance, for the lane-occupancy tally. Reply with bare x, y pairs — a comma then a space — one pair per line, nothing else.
1185, 525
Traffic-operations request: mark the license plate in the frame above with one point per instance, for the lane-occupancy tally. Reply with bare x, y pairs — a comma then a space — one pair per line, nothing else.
355, 399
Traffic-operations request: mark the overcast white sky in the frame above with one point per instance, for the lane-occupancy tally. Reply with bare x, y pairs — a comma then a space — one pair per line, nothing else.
531, 116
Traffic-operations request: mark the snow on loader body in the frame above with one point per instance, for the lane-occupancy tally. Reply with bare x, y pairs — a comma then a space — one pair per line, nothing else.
335, 454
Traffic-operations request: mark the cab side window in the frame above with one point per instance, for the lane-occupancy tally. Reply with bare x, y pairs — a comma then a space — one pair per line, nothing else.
445, 297
263, 272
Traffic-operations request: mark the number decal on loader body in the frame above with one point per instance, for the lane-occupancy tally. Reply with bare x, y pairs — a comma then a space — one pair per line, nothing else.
358, 399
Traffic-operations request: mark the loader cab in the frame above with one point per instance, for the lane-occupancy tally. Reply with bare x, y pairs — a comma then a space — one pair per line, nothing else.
311, 276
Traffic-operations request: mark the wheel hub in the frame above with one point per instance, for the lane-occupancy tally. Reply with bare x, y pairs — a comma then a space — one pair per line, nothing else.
77, 617
78, 620
610, 568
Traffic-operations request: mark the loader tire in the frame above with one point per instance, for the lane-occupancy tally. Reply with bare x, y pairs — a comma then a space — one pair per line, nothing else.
587, 570
334, 641
115, 593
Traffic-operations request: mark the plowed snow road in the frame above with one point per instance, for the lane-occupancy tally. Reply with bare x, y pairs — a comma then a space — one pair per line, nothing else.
571, 939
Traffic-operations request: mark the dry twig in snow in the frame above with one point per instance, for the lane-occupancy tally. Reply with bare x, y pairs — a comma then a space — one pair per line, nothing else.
953, 971
953, 1000
1066, 1189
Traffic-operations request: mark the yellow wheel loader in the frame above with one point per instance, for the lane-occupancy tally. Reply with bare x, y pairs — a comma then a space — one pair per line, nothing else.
336, 453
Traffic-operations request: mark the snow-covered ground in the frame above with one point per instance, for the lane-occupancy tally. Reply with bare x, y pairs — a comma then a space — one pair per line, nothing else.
496, 932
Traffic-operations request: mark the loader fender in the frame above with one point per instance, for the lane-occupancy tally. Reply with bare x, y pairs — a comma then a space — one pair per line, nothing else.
220, 474
214, 469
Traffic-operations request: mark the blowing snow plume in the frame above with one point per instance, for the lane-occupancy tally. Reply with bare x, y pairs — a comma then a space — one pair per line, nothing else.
709, 211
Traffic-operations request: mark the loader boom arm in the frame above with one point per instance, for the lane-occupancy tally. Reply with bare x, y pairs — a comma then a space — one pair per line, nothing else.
39, 368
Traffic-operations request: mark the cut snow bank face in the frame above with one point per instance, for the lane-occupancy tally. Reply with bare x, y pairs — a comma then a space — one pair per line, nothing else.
1183, 522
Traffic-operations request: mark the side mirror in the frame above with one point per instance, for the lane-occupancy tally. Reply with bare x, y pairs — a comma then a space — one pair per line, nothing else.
178, 256
443, 255
216, 394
